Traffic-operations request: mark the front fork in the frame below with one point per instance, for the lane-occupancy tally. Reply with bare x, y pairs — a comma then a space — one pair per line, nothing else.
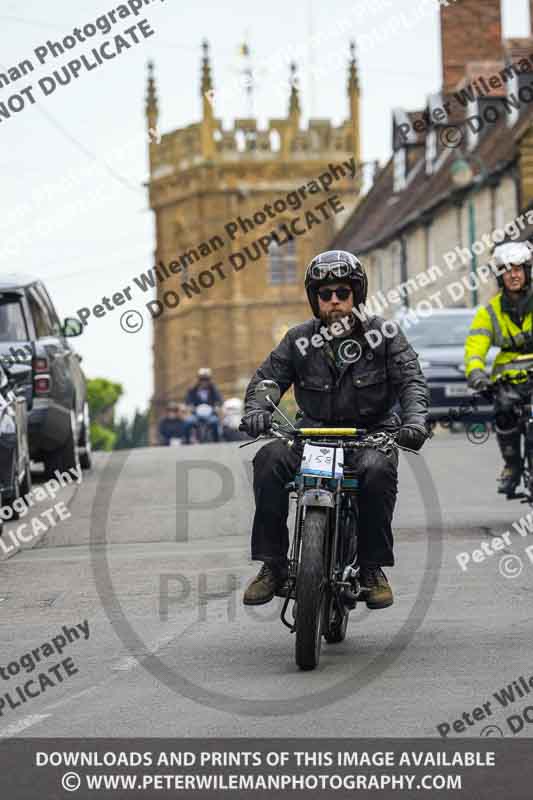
335, 583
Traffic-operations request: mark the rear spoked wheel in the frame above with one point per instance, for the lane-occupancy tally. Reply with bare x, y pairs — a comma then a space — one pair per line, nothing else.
310, 589
336, 629
337, 620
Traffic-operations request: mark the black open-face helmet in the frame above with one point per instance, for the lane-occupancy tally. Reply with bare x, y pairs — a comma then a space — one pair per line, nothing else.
512, 253
331, 267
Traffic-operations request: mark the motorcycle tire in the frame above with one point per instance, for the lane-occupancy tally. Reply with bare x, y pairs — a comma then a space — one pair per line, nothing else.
310, 593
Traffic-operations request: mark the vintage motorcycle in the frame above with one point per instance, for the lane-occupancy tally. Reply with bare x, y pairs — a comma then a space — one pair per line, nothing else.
203, 414
478, 431
522, 405
324, 571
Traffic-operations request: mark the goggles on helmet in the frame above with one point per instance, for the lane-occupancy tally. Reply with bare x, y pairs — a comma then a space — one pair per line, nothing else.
512, 253
335, 269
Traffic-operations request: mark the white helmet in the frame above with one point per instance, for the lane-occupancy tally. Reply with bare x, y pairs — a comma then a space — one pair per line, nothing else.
204, 372
519, 253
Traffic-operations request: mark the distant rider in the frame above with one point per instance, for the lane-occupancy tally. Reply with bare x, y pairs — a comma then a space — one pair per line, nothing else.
204, 392
505, 322
172, 425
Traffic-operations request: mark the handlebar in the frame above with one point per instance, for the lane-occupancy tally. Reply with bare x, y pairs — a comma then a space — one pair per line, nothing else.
300, 433
319, 432
504, 380
380, 440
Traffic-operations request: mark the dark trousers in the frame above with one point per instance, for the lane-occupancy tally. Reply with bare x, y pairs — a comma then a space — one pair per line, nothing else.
507, 431
275, 465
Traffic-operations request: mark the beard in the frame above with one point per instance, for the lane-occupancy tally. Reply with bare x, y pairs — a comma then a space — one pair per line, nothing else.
350, 321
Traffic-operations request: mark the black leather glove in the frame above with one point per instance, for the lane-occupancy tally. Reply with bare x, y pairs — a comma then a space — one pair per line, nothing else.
412, 436
479, 380
257, 422
527, 344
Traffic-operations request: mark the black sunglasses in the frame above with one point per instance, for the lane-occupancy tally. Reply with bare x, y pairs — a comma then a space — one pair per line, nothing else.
343, 293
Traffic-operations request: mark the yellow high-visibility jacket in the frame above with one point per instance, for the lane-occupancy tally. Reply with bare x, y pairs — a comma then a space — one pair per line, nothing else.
493, 327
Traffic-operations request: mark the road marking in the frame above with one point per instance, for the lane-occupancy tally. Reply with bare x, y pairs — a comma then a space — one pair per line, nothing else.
22, 725
131, 662
126, 665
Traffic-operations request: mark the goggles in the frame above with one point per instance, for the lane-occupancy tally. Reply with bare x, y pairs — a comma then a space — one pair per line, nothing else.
335, 269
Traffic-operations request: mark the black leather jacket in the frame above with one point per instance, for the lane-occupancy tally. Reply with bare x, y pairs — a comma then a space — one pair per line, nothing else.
362, 393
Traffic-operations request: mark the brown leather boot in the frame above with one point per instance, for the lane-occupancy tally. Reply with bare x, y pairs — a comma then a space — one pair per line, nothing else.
270, 580
379, 592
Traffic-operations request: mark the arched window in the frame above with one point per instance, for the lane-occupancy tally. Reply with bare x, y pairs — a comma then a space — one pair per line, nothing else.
240, 140
275, 140
282, 263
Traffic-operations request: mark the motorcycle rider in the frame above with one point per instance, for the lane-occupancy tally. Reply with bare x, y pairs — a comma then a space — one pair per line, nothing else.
348, 382
505, 322
203, 392
172, 425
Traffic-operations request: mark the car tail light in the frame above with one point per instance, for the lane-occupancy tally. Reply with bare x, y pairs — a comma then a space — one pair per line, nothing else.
41, 376
42, 385
40, 364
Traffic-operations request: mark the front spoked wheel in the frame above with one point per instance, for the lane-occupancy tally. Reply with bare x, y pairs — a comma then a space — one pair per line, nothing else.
310, 589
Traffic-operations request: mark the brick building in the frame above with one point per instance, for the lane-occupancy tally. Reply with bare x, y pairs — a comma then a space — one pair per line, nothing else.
417, 211
202, 180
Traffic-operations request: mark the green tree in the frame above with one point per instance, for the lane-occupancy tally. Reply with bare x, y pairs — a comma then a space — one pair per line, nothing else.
134, 433
102, 438
102, 396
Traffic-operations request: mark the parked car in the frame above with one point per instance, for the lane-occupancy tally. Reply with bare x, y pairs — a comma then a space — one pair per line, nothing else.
15, 474
439, 340
31, 332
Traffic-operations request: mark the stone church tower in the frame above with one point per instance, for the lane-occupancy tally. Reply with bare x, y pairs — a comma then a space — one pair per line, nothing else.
208, 188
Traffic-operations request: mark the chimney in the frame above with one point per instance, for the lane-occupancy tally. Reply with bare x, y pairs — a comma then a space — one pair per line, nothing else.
470, 30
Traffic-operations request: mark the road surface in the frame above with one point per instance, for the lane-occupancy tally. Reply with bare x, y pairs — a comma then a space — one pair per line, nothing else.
155, 555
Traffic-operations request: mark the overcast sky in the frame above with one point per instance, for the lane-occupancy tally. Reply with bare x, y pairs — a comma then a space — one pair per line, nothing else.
73, 165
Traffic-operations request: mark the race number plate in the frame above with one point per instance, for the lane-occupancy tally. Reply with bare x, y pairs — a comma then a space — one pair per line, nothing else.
323, 462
